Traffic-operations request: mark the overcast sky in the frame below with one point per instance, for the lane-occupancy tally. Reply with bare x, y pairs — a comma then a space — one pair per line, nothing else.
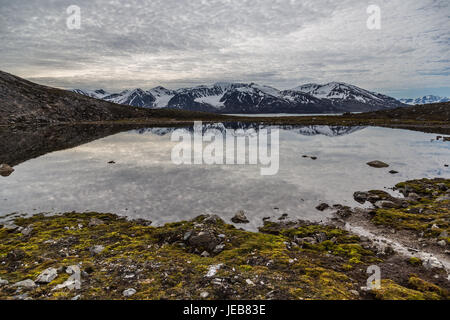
179, 43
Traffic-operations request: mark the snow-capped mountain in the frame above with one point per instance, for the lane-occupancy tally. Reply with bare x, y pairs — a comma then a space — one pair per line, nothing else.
350, 97
425, 100
226, 97
98, 94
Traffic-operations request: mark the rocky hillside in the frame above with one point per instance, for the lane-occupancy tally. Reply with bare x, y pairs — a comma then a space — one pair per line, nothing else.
22, 101
426, 112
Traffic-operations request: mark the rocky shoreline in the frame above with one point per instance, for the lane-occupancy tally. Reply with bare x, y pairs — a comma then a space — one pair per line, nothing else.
104, 256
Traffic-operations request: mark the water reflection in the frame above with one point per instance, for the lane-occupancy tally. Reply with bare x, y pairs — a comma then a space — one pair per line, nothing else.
144, 182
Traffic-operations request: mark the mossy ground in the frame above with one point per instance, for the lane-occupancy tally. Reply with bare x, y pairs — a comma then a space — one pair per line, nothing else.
160, 264
427, 215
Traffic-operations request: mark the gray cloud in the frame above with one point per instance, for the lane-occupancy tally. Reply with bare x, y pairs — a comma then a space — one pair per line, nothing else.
185, 42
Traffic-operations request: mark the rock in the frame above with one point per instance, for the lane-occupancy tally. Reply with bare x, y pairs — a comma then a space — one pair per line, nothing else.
27, 231
385, 204
344, 212
3, 282
74, 281
393, 172
77, 297
301, 241
129, 292
431, 263
96, 249
240, 217
354, 292
443, 198
47, 276
205, 254
413, 196
322, 206
5, 170
205, 240
111, 162
442, 243
249, 282
212, 270
321, 237
314, 158
360, 197
434, 227
204, 295
212, 219
95, 222
219, 248
444, 234
442, 186
187, 235
377, 164
27, 284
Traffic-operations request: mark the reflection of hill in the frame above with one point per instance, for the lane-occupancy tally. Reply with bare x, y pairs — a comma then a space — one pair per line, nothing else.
19, 145
330, 131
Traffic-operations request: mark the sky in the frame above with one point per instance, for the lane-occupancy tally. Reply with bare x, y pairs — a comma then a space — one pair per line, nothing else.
182, 43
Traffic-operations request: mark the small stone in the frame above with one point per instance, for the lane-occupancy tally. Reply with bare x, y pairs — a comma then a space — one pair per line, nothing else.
249, 282
47, 276
444, 234
314, 158
77, 297
3, 282
205, 254
95, 222
442, 243
434, 227
322, 206
129, 292
377, 164
393, 172
240, 217
187, 235
321, 237
27, 231
96, 249
219, 248
5, 170
204, 295
354, 292
111, 162
28, 284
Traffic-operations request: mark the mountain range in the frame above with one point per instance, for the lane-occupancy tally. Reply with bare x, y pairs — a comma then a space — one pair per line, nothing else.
425, 100
333, 97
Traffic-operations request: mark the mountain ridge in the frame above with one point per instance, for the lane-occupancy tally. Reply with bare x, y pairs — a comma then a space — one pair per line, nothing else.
235, 97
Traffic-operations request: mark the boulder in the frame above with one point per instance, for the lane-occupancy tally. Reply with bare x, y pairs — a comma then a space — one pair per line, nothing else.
360, 197
204, 240
47, 276
5, 170
377, 164
322, 206
240, 217
27, 284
